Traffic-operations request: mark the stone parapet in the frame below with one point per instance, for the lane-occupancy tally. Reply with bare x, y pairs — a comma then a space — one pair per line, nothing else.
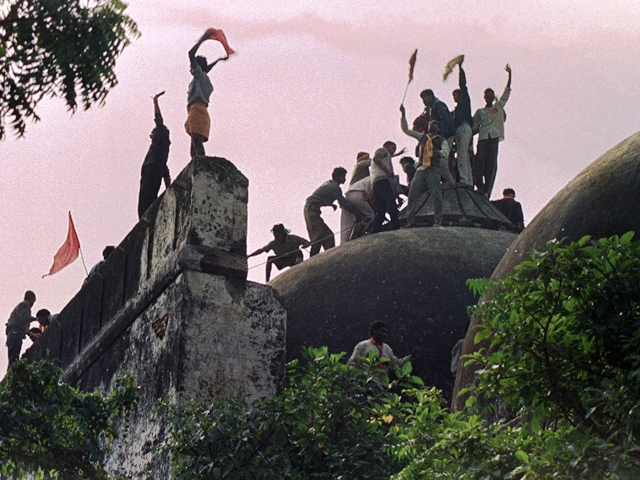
172, 306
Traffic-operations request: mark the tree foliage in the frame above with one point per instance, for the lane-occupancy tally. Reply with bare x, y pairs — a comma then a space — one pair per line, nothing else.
564, 329
58, 48
329, 422
48, 428
564, 346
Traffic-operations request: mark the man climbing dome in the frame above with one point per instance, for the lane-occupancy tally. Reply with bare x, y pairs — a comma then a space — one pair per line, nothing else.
286, 248
320, 234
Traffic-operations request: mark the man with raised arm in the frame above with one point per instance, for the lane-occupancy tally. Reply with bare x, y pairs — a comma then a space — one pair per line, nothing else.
463, 122
433, 158
198, 122
441, 114
154, 167
488, 121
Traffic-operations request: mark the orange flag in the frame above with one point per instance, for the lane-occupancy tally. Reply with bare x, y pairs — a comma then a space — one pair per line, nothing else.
412, 65
215, 34
68, 251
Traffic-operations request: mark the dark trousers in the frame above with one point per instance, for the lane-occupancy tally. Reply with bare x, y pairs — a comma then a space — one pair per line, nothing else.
485, 165
14, 343
149, 186
385, 202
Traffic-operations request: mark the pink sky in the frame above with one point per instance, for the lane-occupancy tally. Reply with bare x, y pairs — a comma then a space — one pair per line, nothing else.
312, 84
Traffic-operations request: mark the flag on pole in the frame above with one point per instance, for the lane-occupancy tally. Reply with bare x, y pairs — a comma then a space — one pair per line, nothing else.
412, 65
218, 35
68, 251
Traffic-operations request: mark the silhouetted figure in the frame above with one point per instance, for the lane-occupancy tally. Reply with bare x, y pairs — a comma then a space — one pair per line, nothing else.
18, 326
379, 332
361, 169
286, 248
320, 234
106, 253
354, 225
463, 122
154, 167
198, 123
488, 121
384, 197
510, 208
44, 318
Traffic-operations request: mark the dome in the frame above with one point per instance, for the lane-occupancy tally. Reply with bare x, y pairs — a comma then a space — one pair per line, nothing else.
603, 200
413, 279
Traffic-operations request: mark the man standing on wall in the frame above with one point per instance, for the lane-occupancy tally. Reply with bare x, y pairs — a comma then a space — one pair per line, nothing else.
489, 123
198, 121
18, 325
154, 168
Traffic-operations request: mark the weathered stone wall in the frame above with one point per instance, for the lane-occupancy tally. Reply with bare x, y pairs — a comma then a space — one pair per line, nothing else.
172, 306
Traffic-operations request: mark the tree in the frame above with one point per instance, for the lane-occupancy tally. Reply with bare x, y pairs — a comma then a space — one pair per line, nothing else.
50, 428
58, 48
327, 423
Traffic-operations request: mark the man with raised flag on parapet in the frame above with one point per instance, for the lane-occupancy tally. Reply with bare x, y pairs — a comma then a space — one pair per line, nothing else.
198, 121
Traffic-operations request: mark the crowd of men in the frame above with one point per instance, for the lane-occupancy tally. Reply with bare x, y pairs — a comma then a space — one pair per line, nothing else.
445, 159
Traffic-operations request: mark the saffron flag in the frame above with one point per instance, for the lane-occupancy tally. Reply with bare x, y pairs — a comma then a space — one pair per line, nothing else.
218, 35
412, 65
68, 251
449, 66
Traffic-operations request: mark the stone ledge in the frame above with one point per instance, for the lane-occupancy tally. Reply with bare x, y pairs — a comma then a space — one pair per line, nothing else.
196, 258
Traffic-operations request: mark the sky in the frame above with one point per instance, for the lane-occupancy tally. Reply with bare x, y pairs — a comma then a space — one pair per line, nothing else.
312, 84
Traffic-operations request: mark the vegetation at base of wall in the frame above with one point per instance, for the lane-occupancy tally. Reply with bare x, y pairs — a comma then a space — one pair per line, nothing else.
51, 430
564, 361
63, 48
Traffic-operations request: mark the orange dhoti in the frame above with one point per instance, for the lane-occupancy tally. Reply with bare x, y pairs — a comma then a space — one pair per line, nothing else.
198, 120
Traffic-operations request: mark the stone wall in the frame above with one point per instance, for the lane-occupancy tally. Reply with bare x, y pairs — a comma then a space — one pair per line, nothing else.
172, 306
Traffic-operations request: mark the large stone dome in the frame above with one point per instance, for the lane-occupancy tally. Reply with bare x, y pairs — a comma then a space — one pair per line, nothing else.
413, 279
603, 200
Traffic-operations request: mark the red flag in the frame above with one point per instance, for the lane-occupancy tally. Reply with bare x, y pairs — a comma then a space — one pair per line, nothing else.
214, 34
412, 65
68, 251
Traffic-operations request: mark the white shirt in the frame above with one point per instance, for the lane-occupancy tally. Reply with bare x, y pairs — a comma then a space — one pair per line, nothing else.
490, 120
383, 157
